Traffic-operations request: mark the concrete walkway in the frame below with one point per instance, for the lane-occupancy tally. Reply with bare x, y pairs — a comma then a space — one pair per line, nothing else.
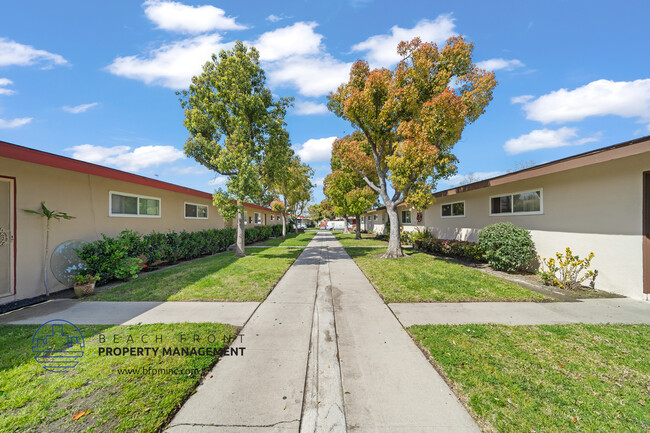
616, 310
291, 380
129, 313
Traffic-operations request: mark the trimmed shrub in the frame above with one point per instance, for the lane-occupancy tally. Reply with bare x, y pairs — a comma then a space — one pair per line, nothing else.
276, 230
126, 254
507, 247
113, 258
452, 248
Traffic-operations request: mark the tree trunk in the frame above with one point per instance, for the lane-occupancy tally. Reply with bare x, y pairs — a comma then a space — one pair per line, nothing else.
345, 221
295, 224
240, 247
394, 245
358, 231
284, 225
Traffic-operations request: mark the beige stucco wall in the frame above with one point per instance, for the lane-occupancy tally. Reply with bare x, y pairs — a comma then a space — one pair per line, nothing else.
595, 208
265, 217
87, 198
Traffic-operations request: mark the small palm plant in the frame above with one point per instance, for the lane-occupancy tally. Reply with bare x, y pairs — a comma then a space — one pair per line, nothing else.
49, 215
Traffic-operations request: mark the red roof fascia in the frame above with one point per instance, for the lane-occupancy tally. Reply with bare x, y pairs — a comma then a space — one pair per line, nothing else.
21, 153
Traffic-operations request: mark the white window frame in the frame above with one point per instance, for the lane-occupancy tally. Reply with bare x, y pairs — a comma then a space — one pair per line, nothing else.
374, 217
410, 217
207, 211
245, 218
512, 203
452, 209
271, 217
138, 196
257, 218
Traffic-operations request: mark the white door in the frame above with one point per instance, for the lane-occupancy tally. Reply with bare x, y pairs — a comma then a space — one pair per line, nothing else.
6, 237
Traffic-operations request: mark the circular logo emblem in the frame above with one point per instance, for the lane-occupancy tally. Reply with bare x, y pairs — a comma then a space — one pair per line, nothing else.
58, 345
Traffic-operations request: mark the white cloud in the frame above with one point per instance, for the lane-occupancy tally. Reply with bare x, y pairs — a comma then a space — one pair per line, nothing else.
599, 98
312, 76
3, 83
218, 181
297, 39
316, 149
178, 17
172, 65
309, 107
497, 64
318, 181
521, 99
123, 158
13, 53
546, 139
14, 123
275, 18
382, 49
79, 108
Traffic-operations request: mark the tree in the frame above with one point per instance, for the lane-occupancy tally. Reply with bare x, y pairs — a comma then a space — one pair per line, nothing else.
410, 119
346, 189
235, 128
49, 215
293, 186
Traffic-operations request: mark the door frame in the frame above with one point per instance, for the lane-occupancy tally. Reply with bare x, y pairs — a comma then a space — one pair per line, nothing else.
12, 180
646, 232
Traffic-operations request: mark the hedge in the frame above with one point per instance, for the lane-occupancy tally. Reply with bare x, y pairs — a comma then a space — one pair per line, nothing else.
446, 247
110, 257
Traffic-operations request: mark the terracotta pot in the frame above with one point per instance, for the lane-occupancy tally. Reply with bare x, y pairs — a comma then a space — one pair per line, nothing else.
84, 289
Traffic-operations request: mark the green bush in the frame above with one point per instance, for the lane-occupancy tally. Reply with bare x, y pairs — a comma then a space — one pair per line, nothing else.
507, 247
126, 254
276, 230
113, 258
420, 234
449, 247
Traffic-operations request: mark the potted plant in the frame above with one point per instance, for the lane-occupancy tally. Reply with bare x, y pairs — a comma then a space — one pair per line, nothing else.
84, 284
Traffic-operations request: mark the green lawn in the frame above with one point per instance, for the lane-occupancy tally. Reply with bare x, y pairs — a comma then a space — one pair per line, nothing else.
292, 240
552, 379
367, 240
35, 400
425, 278
218, 278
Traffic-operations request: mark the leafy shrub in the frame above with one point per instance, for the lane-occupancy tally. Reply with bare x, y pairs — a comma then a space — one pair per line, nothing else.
418, 235
567, 271
452, 248
507, 247
276, 230
405, 237
110, 257
128, 253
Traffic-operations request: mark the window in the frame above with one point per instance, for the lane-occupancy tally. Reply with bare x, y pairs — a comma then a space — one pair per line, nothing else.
406, 217
453, 209
375, 217
129, 205
362, 218
258, 218
245, 217
196, 211
523, 203
271, 217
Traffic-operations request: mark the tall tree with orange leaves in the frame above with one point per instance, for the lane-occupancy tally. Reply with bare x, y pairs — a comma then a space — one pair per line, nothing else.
410, 118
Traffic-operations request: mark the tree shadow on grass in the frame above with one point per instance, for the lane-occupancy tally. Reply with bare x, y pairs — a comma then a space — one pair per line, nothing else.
209, 279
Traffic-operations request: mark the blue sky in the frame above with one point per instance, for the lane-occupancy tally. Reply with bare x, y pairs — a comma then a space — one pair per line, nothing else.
96, 80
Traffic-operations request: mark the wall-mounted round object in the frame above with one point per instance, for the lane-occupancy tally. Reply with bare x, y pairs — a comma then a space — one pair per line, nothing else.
64, 261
